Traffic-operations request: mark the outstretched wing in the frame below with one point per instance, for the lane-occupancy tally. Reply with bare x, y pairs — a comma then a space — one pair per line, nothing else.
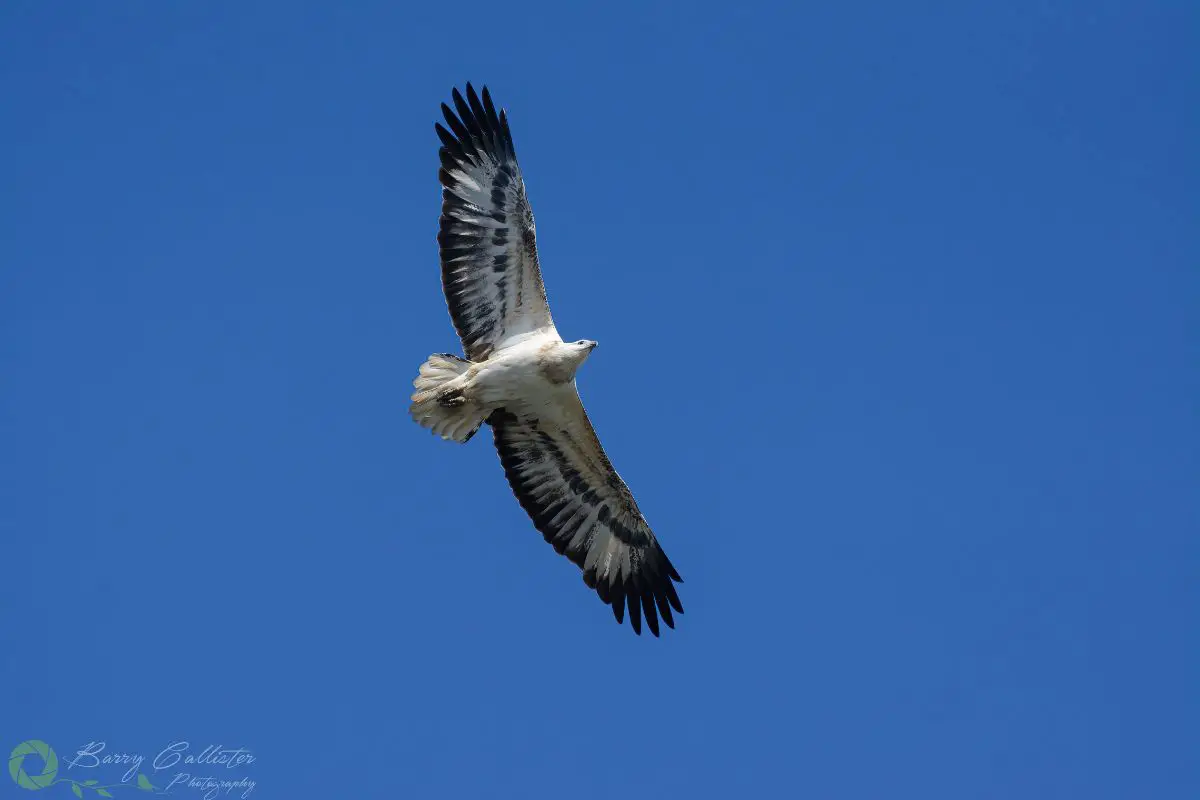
489, 257
564, 481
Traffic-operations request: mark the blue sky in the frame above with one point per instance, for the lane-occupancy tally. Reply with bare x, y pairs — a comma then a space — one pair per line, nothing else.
897, 308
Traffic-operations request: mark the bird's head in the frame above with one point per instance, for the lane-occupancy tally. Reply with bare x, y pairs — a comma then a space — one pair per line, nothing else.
581, 350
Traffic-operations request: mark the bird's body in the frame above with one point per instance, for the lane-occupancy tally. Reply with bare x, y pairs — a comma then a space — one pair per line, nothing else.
519, 374
531, 376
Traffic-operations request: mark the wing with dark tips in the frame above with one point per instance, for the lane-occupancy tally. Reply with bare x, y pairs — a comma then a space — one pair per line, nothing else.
564, 481
489, 258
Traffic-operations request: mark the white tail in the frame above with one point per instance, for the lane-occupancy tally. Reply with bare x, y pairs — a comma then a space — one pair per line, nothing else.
439, 402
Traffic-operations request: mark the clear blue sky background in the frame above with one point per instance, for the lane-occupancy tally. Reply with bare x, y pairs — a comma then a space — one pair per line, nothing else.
897, 305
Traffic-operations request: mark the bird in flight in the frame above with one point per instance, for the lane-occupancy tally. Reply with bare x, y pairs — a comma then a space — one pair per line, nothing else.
519, 375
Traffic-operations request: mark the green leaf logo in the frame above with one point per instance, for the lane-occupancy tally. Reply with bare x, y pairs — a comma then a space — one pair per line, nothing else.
21, 773
17, 767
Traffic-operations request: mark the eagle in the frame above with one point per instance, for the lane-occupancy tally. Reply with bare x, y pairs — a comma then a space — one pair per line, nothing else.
518, 375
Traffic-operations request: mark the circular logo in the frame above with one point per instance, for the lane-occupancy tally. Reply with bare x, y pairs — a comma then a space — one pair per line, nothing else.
16, 764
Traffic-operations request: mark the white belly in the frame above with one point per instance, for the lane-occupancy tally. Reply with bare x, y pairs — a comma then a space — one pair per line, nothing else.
512, 378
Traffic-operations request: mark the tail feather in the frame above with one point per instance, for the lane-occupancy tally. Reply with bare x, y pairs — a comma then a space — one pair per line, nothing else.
440, 402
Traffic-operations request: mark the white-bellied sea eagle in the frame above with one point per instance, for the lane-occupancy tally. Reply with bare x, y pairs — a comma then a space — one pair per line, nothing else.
519, 375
